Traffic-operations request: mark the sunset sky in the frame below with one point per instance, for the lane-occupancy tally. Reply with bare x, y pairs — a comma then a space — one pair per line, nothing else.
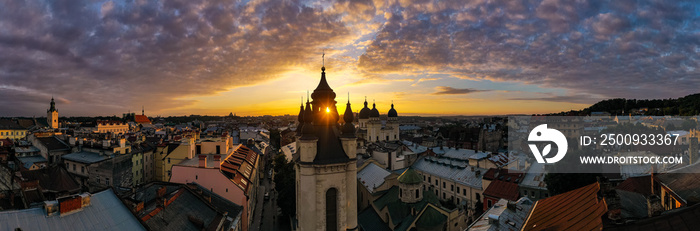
260, 57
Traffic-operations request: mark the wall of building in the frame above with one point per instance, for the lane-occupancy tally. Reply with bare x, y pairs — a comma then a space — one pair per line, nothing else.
165, 161
13, 134
316, 181
149, 166
216, 182
111, 127
137, 168
447, 189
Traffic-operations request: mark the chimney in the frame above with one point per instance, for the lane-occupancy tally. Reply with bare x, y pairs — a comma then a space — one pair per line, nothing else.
493, 219
70, 204
202, 161
85, 199
654, 207
217, 160
51, 208
511, 205
161, 191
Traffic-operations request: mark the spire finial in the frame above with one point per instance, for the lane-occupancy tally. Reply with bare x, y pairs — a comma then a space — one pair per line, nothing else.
323, 57
348, 97
307, 96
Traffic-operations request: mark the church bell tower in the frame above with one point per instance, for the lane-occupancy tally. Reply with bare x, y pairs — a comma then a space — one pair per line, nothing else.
52, 115
325, 164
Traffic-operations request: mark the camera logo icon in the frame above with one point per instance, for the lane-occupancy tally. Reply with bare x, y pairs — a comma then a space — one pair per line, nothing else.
543, 134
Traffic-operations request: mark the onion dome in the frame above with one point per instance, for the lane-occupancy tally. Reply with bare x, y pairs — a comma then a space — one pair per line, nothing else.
374, 112
364, 113
392, 112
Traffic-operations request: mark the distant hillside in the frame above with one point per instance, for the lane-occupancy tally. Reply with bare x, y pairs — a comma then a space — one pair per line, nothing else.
683, 106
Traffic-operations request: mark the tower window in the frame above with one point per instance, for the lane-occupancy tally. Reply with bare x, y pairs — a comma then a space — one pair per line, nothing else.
331, 209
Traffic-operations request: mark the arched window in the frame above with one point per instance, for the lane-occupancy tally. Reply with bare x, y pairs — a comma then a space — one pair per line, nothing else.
331, 209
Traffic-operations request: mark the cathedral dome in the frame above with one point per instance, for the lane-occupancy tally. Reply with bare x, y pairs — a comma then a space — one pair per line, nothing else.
392, 112
364, 113
374, 112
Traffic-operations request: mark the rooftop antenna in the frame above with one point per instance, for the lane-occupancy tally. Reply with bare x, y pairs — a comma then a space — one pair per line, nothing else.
323, 57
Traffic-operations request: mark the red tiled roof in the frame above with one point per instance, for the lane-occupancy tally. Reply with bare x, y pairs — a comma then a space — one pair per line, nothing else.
240, 165
640, 184
578, 209
502, 189
142, 119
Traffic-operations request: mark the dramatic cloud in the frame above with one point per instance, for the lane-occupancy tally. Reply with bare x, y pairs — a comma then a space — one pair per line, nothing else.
108, 56
443, 90
129, 53
639, 49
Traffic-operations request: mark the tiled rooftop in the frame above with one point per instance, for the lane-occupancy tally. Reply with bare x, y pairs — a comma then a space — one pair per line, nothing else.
508, 218
372, 176
579, 209
84, 157
502, 189
454, 170
105, 212
685, 182
534, 178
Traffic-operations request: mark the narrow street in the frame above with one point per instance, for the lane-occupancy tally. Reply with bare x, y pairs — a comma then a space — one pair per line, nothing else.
266, 212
